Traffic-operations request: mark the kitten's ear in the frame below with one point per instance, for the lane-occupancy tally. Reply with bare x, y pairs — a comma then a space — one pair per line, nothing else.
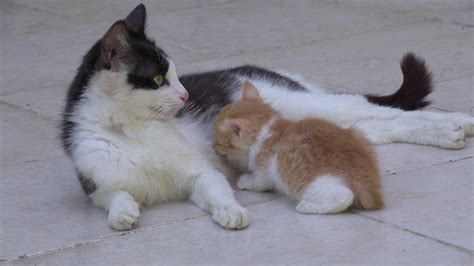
250, 92
136, 20
114, 47
234, 125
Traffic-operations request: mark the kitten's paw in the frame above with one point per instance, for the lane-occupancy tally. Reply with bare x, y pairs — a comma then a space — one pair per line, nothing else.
245, 182
124, 215
451, 136
231, 217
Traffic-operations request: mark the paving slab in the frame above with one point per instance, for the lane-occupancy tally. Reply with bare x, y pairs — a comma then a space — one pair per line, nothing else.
277, 234
44, 50
26, 136
310, 21
400, 157
455, 11
94, 12
368, 62
434, 202
43, 207
455, 95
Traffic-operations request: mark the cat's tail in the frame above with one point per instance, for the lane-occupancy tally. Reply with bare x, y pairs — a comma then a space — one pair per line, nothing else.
416, 86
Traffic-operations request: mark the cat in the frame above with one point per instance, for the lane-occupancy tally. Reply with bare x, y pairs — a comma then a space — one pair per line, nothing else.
326, 168
382, 119
118, 130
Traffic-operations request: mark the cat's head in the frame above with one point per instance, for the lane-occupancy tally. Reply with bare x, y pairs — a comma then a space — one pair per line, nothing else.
137, 74
237, 125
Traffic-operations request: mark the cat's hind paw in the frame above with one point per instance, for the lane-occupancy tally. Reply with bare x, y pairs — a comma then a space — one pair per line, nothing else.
231, 217
466, 121
451, 136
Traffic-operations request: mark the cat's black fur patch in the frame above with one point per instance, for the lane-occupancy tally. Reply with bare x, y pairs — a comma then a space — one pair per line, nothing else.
416, 86
148, 61
210, 91
151, 61
87, 184
254, 72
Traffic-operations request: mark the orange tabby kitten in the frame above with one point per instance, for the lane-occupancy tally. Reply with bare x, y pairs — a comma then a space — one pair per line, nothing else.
325, 167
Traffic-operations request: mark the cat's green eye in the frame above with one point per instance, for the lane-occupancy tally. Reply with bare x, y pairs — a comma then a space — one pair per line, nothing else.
158, 80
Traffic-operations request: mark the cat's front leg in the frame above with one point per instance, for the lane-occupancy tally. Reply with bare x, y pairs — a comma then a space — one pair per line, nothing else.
212, 192
123, 212
254, 181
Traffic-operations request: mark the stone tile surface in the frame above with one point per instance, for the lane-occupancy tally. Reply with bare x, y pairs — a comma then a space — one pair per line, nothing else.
455, 95
277, 235
435, 202
26, 136
43, 207
347, 46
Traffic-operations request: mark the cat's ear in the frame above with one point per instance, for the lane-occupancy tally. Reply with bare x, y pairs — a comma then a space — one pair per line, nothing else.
250, 92
136, 20
233, 125
114, 47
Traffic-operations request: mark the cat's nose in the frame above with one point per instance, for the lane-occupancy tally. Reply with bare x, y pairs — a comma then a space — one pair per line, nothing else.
184, 97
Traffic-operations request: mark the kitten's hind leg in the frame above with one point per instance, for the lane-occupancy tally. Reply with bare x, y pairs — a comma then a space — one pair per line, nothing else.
327, 194
123, 212
212, 192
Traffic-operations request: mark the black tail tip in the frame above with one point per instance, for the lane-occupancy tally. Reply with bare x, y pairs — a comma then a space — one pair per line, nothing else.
416, 86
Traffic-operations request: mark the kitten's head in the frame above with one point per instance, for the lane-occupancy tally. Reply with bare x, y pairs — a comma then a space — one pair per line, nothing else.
237, 125
137, 74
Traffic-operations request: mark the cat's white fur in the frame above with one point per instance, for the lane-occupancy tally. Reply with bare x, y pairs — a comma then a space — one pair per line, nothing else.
136, 155
380, 124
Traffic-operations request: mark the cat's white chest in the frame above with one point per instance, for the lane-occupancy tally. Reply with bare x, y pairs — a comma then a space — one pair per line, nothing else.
146, 159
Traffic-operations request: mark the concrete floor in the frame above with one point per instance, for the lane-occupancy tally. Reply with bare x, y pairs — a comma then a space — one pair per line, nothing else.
348, 46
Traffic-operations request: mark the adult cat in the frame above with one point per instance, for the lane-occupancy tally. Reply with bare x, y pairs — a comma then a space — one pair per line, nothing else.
120, 108
119, 132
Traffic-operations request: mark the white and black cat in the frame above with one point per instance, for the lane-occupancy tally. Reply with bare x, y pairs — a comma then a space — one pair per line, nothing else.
129, 148
118, 130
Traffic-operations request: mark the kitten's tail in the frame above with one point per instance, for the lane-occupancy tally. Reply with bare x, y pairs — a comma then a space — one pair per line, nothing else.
417, 84
368, 196
365, 176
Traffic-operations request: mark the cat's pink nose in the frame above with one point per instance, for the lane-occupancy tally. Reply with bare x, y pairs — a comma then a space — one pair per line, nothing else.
184, 97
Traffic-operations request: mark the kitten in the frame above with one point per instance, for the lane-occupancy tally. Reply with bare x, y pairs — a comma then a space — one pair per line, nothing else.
325, 167
120, 132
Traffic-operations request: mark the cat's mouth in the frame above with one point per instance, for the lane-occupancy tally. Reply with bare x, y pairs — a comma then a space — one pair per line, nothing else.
166, 111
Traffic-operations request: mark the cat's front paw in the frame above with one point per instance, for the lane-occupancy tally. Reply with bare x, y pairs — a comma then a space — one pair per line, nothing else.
124, 215
231, 217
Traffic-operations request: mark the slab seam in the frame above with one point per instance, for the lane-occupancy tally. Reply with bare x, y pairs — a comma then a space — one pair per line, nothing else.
398, 227
426, 167
107, 237
41, 115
